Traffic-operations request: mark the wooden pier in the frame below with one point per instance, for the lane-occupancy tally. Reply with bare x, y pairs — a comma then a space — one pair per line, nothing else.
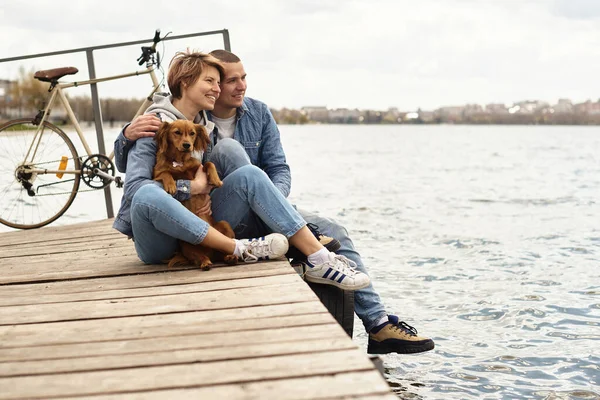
82, 317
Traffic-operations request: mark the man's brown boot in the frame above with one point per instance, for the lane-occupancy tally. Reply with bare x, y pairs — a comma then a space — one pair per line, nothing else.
397, 336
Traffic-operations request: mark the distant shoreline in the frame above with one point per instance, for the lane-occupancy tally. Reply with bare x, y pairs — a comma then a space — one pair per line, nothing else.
596, 123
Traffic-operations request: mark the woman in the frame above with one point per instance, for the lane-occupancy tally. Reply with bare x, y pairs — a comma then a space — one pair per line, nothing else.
148, 214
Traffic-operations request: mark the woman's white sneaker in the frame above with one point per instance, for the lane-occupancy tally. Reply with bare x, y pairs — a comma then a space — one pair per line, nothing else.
267, 247
337, 271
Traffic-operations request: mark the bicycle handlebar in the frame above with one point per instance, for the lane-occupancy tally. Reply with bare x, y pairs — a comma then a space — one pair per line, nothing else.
148, 51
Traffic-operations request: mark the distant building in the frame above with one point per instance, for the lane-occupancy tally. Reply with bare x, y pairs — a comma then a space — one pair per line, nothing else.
449, 114
563, 106
5, 86
5, 97
587, 108
427, 116
496, 108
344, 116
316, 114
471, 109
392, 116
529, 106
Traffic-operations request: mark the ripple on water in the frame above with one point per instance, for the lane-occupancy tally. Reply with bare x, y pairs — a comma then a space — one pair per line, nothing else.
424, 261
544, 282
486, 314
576, 250
573, 336
431, 278
591, 291
531, 297
570, 310
533, 312
573, 394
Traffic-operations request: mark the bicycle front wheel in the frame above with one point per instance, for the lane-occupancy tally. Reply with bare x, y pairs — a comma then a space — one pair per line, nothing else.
33, 191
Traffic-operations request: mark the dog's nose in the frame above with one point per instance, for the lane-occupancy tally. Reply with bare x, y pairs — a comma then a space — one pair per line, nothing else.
186, 146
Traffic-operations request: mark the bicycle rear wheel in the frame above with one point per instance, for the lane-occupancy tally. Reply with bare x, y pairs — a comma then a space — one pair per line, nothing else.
29, 197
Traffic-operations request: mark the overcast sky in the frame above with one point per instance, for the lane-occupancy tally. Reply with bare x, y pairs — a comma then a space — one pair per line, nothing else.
356, 53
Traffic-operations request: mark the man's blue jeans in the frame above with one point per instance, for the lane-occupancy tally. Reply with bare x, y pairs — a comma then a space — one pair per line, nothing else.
230, 158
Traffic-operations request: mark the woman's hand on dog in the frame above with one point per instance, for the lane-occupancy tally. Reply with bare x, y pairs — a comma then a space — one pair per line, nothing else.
142, 126
199, 184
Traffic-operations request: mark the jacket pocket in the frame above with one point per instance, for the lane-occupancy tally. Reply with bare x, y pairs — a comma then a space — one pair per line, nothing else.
252, 150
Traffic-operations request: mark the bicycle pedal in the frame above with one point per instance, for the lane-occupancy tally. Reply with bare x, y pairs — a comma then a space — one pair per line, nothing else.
119, 182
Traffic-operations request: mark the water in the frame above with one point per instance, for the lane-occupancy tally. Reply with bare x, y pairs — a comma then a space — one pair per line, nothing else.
484, 238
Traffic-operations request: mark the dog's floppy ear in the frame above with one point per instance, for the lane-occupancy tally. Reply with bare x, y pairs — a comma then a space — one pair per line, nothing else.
202, 140
161, 136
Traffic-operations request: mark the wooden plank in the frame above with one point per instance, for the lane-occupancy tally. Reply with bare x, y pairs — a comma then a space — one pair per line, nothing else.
218, 352
62, 248
90, 264
342, 385
162, 304
187, 375
160, 290
162, 325
96, 264
175, 277
125, 286
58, 232
244, 336
100, 236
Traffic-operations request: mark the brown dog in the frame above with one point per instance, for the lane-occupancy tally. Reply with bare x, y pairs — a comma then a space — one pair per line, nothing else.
176, 141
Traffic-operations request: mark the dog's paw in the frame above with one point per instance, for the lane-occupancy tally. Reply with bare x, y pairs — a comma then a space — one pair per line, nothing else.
230, 259
214, 180
205, 265
170, 188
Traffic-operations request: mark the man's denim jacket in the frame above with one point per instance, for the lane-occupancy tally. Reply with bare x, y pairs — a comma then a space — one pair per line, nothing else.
255, 129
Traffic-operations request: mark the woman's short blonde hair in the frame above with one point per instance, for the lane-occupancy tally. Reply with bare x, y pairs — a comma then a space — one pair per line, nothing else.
185, 69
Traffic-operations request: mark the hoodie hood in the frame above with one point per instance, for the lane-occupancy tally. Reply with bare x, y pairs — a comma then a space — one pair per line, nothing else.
163, 107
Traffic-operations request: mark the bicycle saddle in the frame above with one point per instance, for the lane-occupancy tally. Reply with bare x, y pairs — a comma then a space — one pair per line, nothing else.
48, 75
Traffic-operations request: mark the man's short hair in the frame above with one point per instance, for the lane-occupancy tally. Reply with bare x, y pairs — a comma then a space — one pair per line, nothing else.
225, 56
185, 69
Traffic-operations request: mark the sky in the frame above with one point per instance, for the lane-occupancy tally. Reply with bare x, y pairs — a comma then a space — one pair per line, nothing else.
368, 54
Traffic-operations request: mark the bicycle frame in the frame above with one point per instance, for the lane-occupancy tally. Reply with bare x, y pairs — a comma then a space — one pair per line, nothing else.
57, 92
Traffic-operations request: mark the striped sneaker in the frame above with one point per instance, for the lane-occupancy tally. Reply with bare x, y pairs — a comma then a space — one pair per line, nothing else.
267, 247
337, 271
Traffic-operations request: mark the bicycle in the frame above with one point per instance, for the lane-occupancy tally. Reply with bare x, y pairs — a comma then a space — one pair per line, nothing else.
37, 156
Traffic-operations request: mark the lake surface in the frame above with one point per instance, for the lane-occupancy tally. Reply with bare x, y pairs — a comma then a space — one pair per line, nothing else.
485, 238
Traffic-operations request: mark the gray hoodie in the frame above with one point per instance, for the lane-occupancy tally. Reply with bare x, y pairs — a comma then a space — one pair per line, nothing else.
164, 109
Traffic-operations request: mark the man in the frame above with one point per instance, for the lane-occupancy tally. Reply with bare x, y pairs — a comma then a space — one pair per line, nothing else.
245, 132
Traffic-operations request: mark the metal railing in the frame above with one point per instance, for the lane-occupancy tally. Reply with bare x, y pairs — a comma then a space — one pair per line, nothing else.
94, 89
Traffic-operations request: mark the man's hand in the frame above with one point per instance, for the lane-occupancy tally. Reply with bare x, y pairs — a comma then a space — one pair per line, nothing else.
143, 126
200, 185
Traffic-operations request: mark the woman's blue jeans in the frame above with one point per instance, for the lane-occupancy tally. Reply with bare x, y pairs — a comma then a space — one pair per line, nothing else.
158, 221
275, 214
